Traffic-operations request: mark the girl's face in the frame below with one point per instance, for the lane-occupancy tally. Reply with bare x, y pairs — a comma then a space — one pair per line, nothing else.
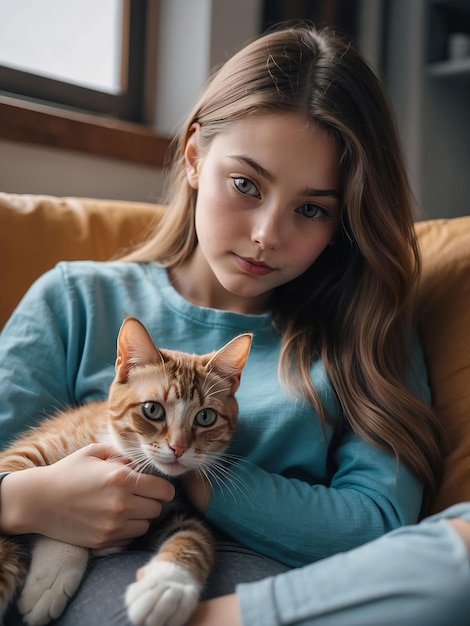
268, 203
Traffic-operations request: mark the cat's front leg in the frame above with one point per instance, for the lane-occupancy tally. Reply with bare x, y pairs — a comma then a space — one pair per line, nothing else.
13, 571
166, 594
55, 573
167, 589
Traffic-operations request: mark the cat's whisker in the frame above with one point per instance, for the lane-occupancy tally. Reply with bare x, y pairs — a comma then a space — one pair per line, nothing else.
226, 463
139, 461
142, 467
224, 468
242, 463
237, 489
227, 481
222, 462
211, 477
239, 485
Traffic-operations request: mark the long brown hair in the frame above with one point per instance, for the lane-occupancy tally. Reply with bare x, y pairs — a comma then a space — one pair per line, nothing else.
353, 308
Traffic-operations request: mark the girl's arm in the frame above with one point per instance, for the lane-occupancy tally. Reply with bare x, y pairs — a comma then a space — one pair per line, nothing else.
34, 379
416, 575
296, 522
90, 498
223, 610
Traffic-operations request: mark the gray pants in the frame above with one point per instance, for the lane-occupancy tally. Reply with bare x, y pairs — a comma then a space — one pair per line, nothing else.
99, 600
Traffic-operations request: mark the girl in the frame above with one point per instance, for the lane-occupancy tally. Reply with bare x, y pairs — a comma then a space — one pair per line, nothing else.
289, 215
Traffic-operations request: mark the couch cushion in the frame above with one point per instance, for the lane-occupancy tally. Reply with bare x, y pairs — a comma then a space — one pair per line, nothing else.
444, 322
38, 231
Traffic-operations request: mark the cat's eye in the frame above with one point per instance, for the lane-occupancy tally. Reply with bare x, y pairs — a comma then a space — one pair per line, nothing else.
153, 411
206, 417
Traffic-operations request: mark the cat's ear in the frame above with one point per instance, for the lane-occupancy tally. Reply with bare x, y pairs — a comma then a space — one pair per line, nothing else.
230, 360
134, 347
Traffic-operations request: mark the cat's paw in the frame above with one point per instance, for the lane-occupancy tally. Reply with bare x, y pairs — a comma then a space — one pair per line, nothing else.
56, 571
165, 595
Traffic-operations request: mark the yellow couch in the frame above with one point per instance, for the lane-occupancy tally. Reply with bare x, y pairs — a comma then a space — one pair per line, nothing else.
38, 231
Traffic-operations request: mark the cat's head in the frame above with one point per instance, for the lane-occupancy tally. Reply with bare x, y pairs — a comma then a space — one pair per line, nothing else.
169, 410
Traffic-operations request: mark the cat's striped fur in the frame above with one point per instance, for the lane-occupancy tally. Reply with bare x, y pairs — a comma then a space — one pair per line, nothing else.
167, 411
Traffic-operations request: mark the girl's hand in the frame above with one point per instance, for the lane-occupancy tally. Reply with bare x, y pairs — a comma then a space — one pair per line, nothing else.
197, 489
462, 526
90, 498
222, 610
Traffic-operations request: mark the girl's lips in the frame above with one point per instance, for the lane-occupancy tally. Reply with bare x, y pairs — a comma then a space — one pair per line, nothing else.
253, 267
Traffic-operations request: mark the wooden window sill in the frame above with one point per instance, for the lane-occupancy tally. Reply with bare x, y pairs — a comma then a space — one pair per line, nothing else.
28, 122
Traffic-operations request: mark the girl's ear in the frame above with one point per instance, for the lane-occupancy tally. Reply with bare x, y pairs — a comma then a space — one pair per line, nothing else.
191, 156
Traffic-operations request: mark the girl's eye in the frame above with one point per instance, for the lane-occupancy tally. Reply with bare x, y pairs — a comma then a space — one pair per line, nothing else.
311, 210
245, 186
153, 411
206, 417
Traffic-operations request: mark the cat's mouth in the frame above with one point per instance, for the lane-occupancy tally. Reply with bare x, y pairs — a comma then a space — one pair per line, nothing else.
172, 468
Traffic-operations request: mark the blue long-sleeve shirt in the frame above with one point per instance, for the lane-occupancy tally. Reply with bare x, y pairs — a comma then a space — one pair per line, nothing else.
417, 575
297, 494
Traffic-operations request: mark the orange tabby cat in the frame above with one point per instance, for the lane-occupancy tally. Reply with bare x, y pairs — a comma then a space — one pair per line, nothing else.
167, 411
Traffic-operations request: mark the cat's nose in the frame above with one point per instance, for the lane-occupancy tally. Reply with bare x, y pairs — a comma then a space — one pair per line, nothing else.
178, 449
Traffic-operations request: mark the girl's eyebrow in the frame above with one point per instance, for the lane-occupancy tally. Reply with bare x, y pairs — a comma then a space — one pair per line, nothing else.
259, 169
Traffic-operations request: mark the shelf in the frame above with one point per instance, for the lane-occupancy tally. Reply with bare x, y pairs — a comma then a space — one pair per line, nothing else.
458, 69
452, 5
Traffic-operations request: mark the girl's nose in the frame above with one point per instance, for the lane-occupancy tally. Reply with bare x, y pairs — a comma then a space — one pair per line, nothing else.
266, 232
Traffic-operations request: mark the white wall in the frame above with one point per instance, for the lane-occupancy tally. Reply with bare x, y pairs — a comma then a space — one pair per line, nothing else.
41, 170
195, 35
183, 58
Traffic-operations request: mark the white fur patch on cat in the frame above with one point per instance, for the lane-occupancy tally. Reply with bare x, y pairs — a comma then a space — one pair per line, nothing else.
56, 571
165, 595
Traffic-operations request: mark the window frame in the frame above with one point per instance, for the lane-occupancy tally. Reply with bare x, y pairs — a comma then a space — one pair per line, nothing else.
37, 124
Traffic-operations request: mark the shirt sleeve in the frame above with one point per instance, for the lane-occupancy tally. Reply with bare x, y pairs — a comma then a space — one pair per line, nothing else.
297, 522
33, 361
418, 574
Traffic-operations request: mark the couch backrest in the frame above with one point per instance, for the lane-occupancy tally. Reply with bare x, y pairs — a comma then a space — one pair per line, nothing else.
38, 231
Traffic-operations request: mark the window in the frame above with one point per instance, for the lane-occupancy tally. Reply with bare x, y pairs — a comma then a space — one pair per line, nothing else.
94, 91
87, 55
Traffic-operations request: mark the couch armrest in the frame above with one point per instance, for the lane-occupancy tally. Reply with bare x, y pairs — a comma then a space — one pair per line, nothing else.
444, 324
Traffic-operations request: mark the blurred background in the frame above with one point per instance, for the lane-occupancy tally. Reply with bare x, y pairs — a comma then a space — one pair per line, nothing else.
92, 91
